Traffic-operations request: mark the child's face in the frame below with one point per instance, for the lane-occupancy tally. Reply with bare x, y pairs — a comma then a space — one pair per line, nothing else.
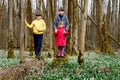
38, 17
61, 25
61, 12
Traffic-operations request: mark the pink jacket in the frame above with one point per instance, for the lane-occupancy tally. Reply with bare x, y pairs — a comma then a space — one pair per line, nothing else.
60, 37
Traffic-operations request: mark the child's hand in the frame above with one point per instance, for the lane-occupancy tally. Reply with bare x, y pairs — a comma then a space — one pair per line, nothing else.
56, 30
39, 30
64, 31
25, 20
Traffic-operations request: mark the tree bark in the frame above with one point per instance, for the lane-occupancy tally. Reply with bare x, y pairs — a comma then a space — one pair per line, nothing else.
29, 19
1, 19
37, 5
99, 13
70, 17
105, 47
83, 27
51, 15
22, 33
20, 71
65, 5
83, 31
11, 41
75, 28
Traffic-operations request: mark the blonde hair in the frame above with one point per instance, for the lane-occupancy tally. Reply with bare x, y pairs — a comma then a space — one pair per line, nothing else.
61, 23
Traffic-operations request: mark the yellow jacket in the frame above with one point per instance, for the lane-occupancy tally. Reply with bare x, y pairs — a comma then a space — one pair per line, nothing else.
38, 26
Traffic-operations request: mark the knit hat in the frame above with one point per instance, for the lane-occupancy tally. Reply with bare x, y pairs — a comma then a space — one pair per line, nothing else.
61, 9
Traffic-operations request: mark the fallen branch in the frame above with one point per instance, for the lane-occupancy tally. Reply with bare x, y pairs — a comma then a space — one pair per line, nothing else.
114, 39
19, 71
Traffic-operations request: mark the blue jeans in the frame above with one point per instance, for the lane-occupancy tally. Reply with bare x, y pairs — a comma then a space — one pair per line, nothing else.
37, 43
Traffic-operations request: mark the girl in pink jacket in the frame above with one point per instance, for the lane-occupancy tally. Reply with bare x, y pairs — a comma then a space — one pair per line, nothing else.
60, 41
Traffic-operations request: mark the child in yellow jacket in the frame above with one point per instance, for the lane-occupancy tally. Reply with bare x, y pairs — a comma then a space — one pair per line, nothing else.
38, 26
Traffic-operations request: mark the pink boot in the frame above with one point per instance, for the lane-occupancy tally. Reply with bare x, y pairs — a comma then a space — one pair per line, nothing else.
58, 53
62, 53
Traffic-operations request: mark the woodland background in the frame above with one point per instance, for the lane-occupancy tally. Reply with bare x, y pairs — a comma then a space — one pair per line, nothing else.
13, 13
94, 28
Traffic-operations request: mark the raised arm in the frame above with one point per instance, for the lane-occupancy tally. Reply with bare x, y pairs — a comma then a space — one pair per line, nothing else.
56, 31
29, 25
66, 32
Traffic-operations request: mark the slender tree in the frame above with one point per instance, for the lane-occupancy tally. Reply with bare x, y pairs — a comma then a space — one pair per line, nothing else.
83, 31
22, 33
65, 5
11, 41
51, 14
75, 27
1, 19
105, 47
83, 26
29, 19
99, 12
37, 5
70, 17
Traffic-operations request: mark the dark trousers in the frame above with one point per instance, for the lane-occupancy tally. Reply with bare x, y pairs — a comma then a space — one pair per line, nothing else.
65, 50
37, 43
60, 50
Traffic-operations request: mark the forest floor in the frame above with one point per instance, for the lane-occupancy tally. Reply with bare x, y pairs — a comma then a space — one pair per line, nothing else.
96, 67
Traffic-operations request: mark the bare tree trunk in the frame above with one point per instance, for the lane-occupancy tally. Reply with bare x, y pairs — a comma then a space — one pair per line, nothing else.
92, 26
83, 27
18, 17
11, 41
26, 29
109, 14
38, 5
79, 24
65, 5
75, 28
29, 19
83, 31
117, 21
14, 24
44, 45
55, 8
105, 47
99, 13
51, 21
119, 24
70, 17
22, 33
1, 19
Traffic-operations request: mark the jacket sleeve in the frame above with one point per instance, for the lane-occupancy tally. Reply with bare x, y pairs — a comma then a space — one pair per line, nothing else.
55, 33
67, 24
66, 33
29, 25
55, 22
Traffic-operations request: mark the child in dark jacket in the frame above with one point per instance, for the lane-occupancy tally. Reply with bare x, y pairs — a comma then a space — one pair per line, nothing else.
60, 41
